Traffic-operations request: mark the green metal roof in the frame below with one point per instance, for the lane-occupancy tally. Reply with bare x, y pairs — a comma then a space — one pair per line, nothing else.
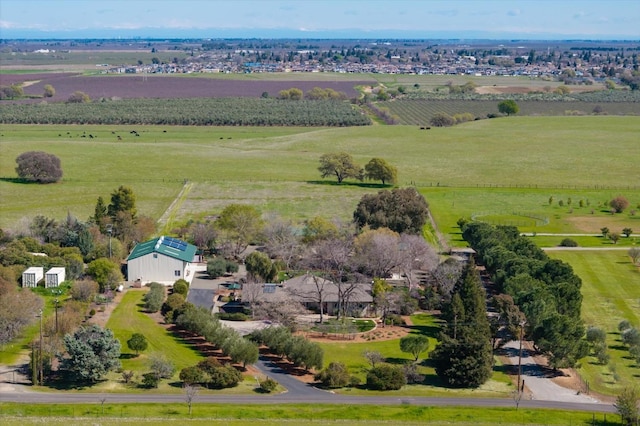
168, 246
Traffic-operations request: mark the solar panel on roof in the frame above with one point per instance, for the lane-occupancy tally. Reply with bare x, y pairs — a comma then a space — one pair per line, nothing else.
174, 243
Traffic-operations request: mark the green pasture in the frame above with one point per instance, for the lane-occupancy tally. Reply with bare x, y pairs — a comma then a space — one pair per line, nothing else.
518, 161
611, 293
528, 208
351, 354
128, 318
278, 414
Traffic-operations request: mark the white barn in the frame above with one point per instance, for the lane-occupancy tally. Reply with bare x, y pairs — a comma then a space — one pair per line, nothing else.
32, 275
164, 260
54, 277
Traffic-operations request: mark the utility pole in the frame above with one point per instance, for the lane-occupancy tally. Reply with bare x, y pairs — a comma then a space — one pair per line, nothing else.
40, 354
109, 231
520, 353
56, 302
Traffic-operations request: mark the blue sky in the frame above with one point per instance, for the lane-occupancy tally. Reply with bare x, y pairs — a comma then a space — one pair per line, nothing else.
586, 19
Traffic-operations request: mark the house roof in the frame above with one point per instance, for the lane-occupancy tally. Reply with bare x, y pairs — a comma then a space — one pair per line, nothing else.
167, 246
303, 288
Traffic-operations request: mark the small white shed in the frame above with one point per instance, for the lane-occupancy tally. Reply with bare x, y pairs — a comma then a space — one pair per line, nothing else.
32, 275
54, 277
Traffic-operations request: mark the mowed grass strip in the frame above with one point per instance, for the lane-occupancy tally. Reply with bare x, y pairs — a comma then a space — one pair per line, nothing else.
128, 318
611, 293
277, 414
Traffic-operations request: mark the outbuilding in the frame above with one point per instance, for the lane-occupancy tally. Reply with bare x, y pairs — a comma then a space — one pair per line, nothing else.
54, 277
32, 275
164, 260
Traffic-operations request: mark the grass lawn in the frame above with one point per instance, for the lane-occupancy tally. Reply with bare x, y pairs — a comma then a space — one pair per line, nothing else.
128, 318
277, 414
351, 354
611, 293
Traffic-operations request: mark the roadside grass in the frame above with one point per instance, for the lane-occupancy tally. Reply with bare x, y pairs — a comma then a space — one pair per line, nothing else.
351, 354
611, 293
277, 414
591, 242
456, 168
128, 318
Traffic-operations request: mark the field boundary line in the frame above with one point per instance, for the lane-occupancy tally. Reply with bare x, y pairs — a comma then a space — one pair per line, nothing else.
169, 214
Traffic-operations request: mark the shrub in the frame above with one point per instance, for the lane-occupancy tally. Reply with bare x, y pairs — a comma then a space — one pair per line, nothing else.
268, 385
154, 298
181, 287
568, 242
78, 97
224, 377
619, 203
442, 119
386, 377
234, 316
336, 375
150, 380
192, 375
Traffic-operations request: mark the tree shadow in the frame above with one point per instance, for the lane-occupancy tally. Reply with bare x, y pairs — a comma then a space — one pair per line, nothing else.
18, 180
350, 183
128, 356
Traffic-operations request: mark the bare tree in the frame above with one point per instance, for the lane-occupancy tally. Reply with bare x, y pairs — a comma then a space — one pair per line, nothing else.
332, 257
190, 392
283, 311
252, 294
320, 287
445, 276
415, 254
283, 241
373, 357
377, 252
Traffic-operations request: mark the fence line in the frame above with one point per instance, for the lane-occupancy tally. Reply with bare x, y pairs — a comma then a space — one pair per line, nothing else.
523, 186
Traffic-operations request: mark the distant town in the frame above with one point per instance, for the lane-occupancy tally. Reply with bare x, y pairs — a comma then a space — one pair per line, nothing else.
575, 62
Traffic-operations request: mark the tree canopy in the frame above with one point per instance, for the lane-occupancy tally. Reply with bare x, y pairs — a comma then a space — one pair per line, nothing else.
403, 210
340, 164
240, 224
91, 353
508, 107
379, 169
39, 166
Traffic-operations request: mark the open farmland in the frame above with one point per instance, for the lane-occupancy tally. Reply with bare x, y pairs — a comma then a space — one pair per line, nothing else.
419, 112
519, 161
166, 87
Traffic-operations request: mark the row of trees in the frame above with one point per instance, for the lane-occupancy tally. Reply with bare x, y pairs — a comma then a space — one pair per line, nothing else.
200, 112
300, 351
342, 166
547, 291
315, 94
200, 322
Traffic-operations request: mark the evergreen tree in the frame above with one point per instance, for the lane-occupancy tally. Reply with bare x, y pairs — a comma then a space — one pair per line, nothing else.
464, 356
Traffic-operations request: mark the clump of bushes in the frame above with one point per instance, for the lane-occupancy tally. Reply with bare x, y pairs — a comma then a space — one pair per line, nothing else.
154, 298
218, 267
386, 377
568, 242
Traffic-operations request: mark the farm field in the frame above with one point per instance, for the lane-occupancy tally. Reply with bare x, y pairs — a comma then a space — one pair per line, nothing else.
159, 86
276, 168
611, 293
419, 112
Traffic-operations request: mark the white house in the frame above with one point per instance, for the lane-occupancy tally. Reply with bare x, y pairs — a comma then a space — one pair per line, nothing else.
32, 275
164, 260
54, 277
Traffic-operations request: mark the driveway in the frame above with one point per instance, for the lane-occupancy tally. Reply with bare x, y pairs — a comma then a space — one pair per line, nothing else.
538, 383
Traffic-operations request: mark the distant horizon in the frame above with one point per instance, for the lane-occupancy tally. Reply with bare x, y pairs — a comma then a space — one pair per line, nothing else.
322, 19
267, 34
